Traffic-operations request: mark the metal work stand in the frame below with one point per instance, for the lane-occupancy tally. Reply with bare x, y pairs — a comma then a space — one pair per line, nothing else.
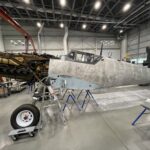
87, 98
15, 134
56, 100
72, 97
140, 115
90, 97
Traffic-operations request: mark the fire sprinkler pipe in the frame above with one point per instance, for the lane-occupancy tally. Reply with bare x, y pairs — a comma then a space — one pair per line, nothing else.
18, 27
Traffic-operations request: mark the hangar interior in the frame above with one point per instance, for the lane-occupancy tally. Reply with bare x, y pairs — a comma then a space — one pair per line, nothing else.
74, 74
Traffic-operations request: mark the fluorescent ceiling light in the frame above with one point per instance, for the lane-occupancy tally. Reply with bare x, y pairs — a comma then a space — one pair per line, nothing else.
62, 25
104, 27
126, 7
62, 3
121, 31
26, 1
97, 5
84, 26
38, 24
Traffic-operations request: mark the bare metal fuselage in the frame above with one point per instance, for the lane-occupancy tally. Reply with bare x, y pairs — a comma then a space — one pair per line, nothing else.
106, 72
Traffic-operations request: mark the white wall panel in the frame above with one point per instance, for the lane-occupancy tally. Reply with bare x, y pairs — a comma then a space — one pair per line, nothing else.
52, 41
75, 43
18, 46
89, 42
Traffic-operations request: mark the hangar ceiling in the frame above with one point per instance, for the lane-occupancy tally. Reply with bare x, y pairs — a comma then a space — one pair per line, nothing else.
77, 12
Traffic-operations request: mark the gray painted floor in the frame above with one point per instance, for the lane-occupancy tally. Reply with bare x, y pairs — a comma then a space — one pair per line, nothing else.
107, 127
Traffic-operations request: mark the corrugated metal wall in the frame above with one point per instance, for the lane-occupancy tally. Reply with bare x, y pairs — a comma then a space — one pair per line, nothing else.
138, 40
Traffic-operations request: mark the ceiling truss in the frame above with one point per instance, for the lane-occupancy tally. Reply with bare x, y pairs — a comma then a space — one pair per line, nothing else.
78, 12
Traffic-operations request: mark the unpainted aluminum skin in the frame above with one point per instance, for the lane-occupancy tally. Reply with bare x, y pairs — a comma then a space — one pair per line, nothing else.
106, 73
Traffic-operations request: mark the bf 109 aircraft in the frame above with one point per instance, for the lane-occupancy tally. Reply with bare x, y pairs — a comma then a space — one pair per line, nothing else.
85, 71
102, 71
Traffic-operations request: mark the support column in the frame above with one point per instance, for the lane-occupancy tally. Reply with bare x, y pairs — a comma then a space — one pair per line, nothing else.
1, 41
123, 47
65, 41
39, 39
138, 50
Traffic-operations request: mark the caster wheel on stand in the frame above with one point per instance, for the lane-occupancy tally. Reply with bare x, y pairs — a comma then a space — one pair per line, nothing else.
31, 134
14, 138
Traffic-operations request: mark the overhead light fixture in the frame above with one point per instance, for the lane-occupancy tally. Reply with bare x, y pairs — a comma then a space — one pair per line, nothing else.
38, 24
26, 1
61, 25
62, 3
126, 7
104, 27
84, 26
121, 31
97, 5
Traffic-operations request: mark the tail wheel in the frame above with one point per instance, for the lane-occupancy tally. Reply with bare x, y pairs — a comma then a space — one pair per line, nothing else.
25, 116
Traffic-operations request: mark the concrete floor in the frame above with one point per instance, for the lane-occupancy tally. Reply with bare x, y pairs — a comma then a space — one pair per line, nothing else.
107, 127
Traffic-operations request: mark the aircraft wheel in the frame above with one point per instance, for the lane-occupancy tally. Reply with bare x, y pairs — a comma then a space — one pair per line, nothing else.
25, 116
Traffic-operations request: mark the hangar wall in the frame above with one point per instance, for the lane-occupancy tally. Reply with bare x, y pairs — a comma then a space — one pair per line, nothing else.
138, 39
52, 41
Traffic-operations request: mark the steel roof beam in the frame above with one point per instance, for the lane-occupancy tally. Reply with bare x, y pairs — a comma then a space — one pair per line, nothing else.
42, 1
110, 11
112, 7
139, 7
14, 6
72, 11
29, 15
81, 13
141, 12
67, 20
99, 14
67, 13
